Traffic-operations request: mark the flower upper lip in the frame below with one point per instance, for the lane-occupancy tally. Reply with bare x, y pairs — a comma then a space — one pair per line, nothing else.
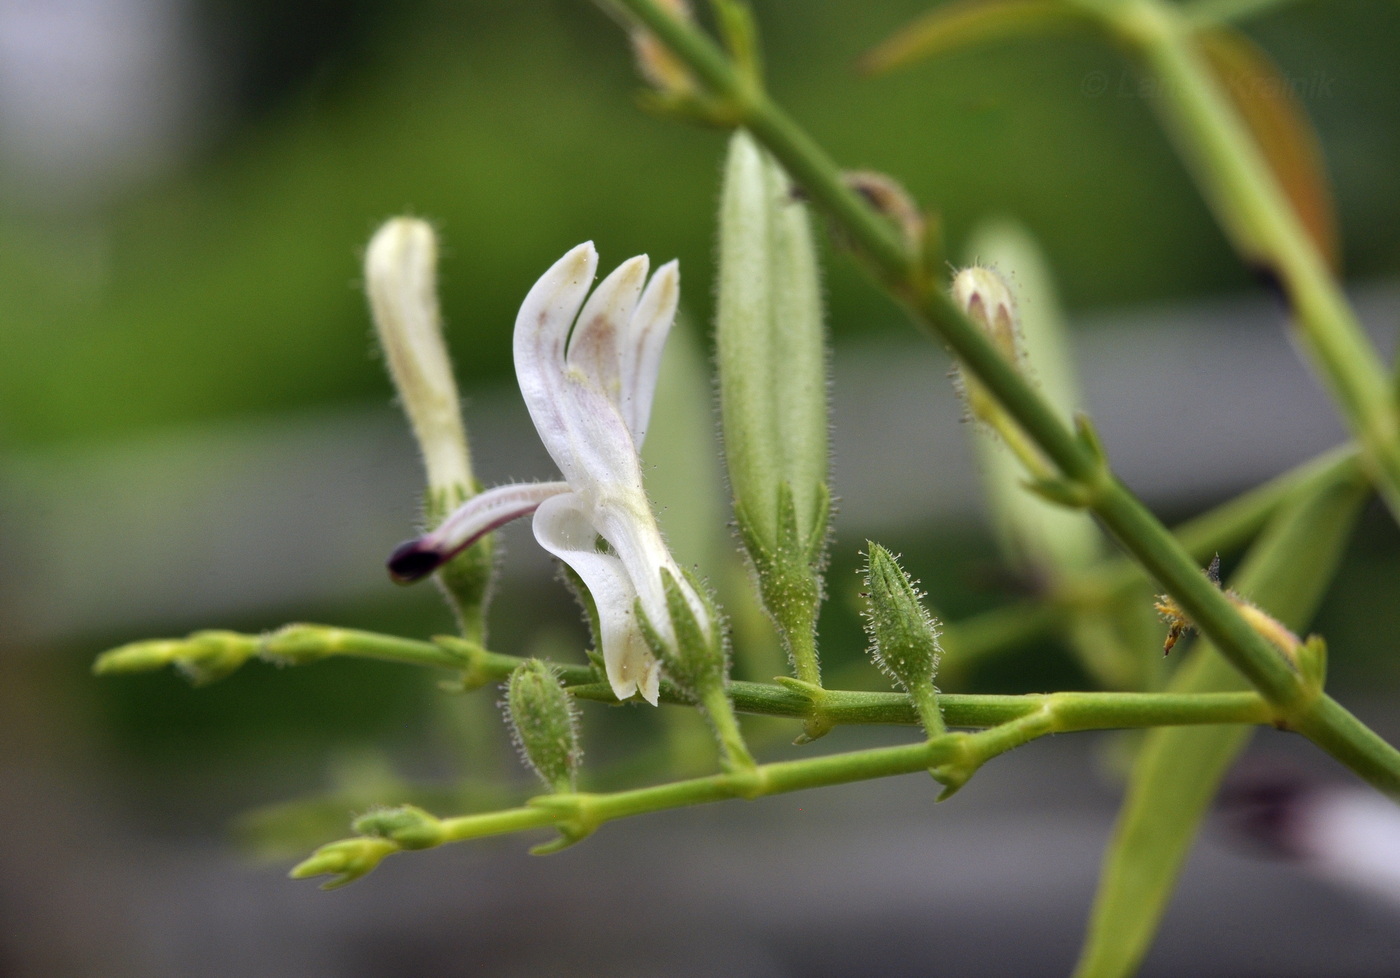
587, 371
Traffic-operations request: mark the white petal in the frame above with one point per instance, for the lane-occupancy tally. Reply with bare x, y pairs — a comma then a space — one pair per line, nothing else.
597, 347
630, 528
541, 332
643, 345
562, 527
467, 524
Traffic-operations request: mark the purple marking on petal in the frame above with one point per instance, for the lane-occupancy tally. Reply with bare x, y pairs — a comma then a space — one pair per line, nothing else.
642, 347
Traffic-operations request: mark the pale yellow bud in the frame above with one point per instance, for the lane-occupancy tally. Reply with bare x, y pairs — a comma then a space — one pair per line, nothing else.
401, 279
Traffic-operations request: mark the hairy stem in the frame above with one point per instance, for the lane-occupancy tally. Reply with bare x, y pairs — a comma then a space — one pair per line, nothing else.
954, 756
1084, 471
480, 667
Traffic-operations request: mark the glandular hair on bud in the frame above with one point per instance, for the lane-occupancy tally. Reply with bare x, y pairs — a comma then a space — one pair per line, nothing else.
401, 281
544, 724
986, 298
903, 635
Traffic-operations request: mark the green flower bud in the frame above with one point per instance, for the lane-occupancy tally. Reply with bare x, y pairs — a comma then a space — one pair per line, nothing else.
346, 860
1041, 539
407, 826
544, 724
903, 635
772, 382
203, 657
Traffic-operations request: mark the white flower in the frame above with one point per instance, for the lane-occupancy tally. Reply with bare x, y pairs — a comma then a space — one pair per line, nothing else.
588, 378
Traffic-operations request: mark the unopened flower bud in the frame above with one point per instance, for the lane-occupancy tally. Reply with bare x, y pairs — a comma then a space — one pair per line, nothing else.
407, 826
888, 196
401, 279
544, 724
772, 383
903, 635
984, 295
346, 860
203, 657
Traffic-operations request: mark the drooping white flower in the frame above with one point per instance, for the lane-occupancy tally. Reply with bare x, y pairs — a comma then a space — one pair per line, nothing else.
587, 371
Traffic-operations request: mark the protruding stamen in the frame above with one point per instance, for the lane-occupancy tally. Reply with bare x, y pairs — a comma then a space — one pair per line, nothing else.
471, 521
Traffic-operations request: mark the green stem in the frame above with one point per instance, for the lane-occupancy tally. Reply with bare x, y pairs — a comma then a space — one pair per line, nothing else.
1220, 530
956, 755
802, 640
1236, 179
1085, 472
926, 705
1336, 730
1233, 523
300, 644
721, 715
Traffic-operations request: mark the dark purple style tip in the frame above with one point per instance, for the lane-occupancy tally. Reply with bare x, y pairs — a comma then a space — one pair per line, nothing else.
413, 561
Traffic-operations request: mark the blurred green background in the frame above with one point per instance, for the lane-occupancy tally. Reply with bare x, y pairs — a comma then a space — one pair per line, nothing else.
221, 281
182, 262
